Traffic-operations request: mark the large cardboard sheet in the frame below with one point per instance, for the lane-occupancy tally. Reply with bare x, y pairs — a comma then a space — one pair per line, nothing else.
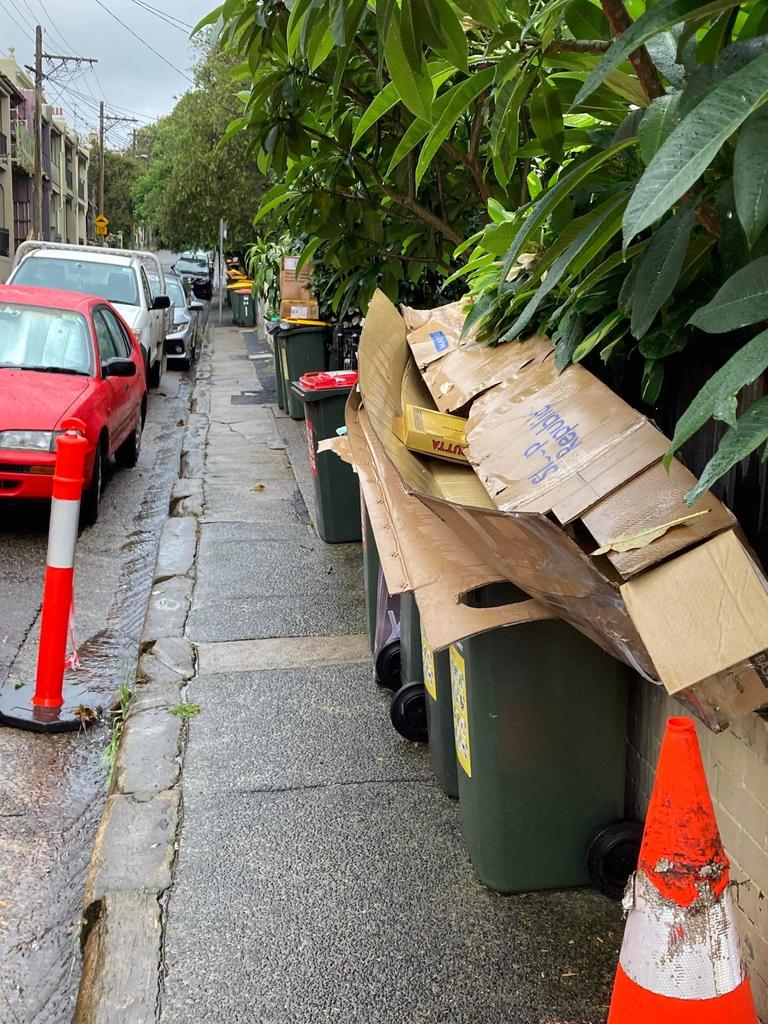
419, 553
529, 543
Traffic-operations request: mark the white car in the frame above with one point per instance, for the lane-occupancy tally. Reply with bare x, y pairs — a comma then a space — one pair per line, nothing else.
118, 275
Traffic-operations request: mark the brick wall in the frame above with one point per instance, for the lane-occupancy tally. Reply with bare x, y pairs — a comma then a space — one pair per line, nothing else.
736, 763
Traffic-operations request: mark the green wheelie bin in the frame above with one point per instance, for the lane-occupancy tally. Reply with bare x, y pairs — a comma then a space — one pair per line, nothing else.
247, 308
273, 331
540, 717
371, 566
236, 299
442, 744
408, 711
302, 350
323, 395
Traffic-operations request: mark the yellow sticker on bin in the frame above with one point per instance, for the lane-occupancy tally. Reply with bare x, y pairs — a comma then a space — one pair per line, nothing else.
460, 710
428, 660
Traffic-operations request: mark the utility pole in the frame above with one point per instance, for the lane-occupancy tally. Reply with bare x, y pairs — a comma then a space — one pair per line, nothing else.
101, 157
103, 129
37, 205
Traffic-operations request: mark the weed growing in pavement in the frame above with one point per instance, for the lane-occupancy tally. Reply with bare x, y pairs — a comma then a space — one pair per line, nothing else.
185, 710
76, 946
117, 723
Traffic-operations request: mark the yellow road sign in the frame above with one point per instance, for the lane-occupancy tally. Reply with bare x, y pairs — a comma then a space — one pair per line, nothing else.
101, 223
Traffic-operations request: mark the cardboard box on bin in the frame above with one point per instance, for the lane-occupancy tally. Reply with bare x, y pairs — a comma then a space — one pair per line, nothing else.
294, 286
299, 310
562, 466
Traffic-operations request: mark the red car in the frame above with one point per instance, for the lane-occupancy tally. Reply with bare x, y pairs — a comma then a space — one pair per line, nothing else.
64, 354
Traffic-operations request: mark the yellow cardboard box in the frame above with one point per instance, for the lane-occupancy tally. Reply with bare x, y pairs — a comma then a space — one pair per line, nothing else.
432, 433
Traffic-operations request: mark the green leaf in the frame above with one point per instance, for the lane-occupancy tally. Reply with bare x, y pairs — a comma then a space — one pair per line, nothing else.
455, 47
741, 369
275, 197
457, 100
653, 377
345, 18
603, 225
660, 269
505, 116
657, 19
293, 29
750, 175
660, 344
598, 335
384, 11
551, 199
412, 81
308, 252
414, 133
750, 431
383, 102
546, 113
319, 46
741, 301
657, 123
210, 19
695, 142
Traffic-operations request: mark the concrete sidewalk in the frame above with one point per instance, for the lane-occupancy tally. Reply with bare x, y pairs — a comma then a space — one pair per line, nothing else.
320, 873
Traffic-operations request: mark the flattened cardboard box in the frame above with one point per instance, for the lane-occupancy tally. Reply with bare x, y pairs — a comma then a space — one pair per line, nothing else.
419, 553
525, 542
434, 337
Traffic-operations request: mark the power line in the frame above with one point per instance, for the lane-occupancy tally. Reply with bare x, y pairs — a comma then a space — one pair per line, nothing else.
13, 19
176, 23
144, 42
47, 14
92, 102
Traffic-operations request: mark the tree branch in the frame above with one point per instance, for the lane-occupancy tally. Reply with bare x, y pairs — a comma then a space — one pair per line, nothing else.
569, 45
617, 17
407, 202
474, 146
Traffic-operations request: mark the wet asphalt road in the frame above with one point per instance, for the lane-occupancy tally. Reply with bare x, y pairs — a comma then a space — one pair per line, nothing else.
52, 788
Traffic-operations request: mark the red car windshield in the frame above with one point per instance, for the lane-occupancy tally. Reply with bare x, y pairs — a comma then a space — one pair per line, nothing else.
53, 340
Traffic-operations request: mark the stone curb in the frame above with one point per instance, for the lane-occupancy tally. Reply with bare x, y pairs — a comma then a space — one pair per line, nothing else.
132, 859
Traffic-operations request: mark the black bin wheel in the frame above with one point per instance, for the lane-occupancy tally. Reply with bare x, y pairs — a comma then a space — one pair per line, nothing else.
409, 712
612, 857
387, 665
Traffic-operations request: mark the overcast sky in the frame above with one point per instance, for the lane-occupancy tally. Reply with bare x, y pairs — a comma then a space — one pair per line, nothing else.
132, 79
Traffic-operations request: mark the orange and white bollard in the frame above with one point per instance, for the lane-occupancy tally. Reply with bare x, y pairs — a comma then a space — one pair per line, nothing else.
43, 707
680, 959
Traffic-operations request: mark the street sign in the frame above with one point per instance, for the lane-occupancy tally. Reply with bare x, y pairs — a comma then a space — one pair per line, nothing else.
101, 223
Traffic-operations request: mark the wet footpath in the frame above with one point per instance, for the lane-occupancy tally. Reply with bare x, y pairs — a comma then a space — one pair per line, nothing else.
320, 873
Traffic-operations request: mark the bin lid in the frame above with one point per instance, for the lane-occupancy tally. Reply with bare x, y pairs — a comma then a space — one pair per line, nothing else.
327, 380
292, 321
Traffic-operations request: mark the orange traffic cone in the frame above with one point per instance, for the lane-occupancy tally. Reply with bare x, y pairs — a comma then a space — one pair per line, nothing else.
680, 960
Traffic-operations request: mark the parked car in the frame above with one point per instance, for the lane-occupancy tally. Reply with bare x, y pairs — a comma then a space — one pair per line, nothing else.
184, 333
118, 275
197, 274
63, 355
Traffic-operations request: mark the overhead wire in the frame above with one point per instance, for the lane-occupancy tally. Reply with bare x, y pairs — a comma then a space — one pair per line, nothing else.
167, 18
16, 22
144, 42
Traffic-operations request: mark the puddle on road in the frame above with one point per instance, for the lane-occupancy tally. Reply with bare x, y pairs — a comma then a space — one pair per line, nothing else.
52, 788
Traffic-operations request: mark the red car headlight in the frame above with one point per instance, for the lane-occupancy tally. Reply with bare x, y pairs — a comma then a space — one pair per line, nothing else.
29, 440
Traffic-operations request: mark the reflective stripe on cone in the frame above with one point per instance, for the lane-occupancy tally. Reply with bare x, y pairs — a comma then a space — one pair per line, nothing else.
633, 1004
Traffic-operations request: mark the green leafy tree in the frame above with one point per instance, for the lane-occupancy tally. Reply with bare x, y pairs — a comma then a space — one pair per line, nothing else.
121, 172
193, 178
594, 169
